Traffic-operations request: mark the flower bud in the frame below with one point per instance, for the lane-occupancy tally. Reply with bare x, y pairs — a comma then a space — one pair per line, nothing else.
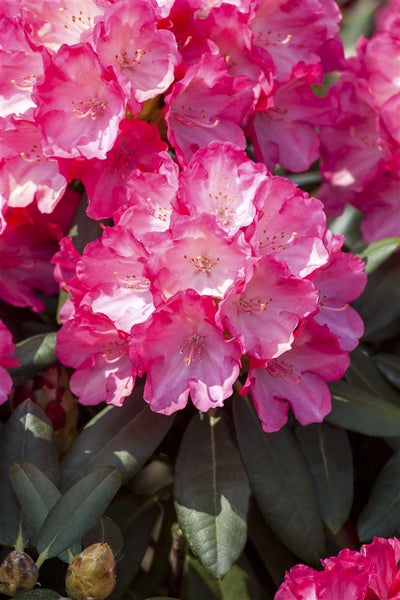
91, 574
18, 573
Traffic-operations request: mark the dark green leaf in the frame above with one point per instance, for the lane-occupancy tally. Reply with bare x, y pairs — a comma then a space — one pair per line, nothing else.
381, 516
34, 354
105, 530
281, 483
211, 493
357, 410
377, 252
124, 437
36, 493
389, 365
76, 511
28, 434
364, 374
379, 305
328, 453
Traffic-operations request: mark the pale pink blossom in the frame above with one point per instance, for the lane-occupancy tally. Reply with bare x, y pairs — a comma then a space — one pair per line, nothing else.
79, 104
142, 55
197, 254
220, 180
183, 352
26, 174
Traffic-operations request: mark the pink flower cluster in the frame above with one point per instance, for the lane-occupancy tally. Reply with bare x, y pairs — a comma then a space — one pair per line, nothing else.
7, 349
361, 148
223, 261
213, 268
371, 574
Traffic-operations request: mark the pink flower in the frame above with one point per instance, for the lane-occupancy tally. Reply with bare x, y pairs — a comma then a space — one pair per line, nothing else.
26, 174
184, 352
94, 347
263, 311
7, 350
220, 180
20, 68
142, 56
207, 104
297, 378
79, 104
137, 149
195, 253
334, 309
372, 573
291, 226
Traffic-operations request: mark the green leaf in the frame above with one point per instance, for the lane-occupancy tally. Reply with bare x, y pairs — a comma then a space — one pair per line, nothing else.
237, 583
34, 354
364, 373
124, 437
328, 453
39, 594
377, 252
28, 434
105, 530
281, 483
379, 305
357, 410
211, 493
389, 365
381, 516
76, 511
36, 493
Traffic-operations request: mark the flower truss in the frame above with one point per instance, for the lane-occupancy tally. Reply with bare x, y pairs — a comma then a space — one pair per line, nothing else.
210, 270
370, 574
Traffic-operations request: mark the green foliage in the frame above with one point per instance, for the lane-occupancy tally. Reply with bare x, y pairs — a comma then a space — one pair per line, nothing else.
281, 483
34, 354
211, 499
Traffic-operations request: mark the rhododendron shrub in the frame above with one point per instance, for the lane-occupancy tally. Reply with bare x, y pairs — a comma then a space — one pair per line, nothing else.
185, 317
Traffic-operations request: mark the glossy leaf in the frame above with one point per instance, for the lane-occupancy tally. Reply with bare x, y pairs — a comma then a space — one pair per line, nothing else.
357, 410
381, 516
328, 453
34, 354
36, 493
76, 511
377, 252
364, 373
281, 483
211, 493
28, 434
124, 437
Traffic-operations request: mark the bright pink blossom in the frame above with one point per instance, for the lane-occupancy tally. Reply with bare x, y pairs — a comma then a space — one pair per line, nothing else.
94, 347
197, 254
370, 574
142, 56
7, 350
183, 352
207, 104
263, 311
297, 379
79, 104
220, 180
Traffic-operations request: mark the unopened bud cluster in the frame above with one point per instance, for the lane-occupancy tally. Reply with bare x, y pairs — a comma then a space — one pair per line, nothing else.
18, 573
91, 574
